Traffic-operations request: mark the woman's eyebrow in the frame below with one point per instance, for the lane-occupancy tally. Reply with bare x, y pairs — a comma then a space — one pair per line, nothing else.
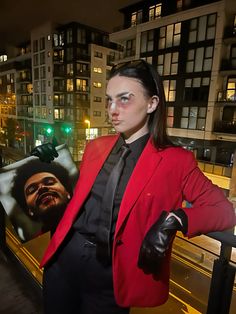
121, 94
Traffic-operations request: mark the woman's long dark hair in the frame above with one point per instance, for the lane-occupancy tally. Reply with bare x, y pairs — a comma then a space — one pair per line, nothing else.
151, 82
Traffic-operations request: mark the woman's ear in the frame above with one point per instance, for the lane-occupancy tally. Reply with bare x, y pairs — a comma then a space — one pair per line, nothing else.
152, 106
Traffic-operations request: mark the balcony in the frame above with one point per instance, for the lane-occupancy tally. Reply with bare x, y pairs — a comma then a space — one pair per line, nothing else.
217, 169
229, 35
227, 67
228, 127
83, 57
82, 73
57, 73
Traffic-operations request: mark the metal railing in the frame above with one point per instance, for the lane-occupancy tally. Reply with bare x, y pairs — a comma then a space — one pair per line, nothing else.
223, 275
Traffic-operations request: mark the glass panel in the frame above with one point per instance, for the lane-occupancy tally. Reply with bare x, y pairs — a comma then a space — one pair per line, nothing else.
185, 111
170, 111
192, 37
201, 124
170, 122
205, 81
207, 65
167, 64
169, 37
202, 28
160, 69
199, 59
212, 19
174, 69
177, 40
193, 24
188, 82
177, 28
193, 112
175, 57
184, 123
173, 84
162, 43
192, 123
196, 82
209, 52
210, 33
189, 67
171, 96
143, 41
202, 112
160, 59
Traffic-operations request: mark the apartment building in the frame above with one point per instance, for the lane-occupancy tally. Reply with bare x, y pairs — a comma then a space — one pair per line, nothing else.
57, 89
192, 44
69, 66
16, 100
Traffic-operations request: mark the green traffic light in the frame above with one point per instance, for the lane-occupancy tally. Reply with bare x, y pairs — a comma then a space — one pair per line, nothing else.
49, 130
67, 130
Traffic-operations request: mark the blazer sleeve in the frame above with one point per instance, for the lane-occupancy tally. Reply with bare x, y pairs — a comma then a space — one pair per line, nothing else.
210, 211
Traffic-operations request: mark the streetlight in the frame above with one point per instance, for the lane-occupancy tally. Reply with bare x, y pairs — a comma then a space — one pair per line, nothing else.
88, 123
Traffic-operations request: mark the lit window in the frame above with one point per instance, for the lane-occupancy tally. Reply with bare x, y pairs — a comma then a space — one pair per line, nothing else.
56, 114
97, 84
81, 85
97, 70
169, 36
154, 12
69, 85
97, 113
170, 117
147, 41
136, 18
170, 89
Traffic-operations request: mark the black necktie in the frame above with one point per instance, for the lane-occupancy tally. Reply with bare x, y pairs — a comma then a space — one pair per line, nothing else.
103, 234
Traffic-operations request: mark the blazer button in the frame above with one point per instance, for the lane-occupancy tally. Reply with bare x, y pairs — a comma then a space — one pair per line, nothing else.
119, 242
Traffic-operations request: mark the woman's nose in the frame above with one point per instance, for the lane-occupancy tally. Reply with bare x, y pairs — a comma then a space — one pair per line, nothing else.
113, 107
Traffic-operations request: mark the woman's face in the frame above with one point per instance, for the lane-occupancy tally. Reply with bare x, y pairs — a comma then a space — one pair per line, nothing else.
129, 107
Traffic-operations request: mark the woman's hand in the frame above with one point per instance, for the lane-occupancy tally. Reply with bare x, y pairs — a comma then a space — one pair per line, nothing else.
158, 240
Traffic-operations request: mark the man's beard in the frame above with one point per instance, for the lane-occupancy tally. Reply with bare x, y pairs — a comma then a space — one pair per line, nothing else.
51, 217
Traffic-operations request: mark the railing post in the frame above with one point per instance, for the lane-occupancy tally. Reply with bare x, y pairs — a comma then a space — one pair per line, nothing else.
222, 282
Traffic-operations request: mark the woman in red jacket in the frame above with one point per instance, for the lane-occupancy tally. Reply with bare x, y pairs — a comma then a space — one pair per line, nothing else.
106, 258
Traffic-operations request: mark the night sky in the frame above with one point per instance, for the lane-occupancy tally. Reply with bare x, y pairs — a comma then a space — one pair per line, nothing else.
18, 17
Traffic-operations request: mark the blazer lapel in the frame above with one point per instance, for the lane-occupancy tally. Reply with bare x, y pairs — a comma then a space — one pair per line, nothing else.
143, 171
92, 165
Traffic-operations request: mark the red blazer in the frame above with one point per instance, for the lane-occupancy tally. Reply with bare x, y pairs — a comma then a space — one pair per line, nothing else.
161, 180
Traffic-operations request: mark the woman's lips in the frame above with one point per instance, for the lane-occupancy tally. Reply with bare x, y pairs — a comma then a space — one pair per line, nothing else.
116, 122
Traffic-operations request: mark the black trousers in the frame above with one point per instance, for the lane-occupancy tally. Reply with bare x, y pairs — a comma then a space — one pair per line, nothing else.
76, 283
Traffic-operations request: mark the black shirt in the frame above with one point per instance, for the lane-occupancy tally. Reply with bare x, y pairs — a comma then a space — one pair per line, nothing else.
88, 219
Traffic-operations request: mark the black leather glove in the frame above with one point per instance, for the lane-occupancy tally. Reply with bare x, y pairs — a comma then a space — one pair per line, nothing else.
46, 152
158, 240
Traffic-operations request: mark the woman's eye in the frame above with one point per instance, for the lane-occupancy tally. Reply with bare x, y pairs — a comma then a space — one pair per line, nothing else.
124, 99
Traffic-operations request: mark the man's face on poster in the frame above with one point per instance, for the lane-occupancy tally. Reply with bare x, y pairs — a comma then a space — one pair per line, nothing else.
44, 192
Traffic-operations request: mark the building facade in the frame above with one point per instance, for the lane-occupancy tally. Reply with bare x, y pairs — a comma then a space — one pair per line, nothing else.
56, 91
192, 44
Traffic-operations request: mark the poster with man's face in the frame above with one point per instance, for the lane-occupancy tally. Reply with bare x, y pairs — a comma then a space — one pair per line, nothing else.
35, 194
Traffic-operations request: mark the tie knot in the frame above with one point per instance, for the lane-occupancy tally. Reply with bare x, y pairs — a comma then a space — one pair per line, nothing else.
124, 151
